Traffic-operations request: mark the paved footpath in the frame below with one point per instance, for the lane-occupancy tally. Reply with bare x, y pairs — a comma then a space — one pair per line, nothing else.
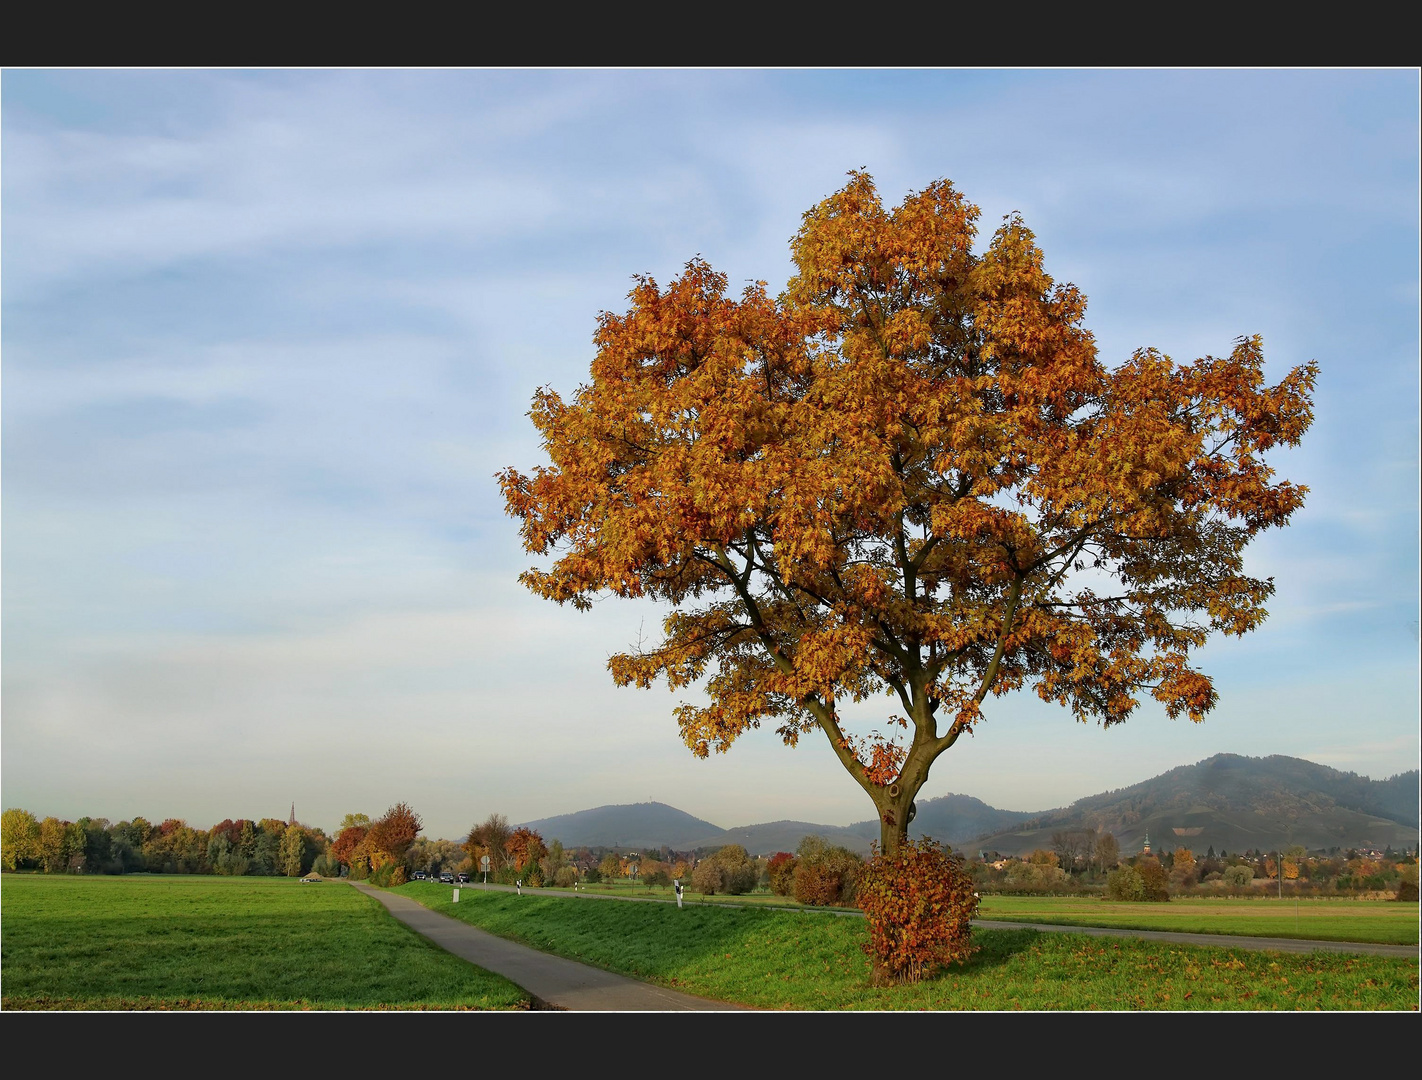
555, 983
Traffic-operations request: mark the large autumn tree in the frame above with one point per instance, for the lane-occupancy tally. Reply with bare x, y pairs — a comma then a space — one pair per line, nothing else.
910, 474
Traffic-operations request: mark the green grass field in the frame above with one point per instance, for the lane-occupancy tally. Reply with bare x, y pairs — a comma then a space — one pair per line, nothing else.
801, 960
627, 890
190, 942
1321, 919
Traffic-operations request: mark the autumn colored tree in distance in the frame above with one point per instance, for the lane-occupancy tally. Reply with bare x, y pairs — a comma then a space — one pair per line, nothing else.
908, 474
390, 837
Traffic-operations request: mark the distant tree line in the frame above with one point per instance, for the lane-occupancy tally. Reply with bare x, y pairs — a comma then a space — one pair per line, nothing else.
269, 846
391, 850
1083, 861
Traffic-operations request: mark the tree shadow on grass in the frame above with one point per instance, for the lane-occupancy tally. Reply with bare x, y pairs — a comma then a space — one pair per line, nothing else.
996, 948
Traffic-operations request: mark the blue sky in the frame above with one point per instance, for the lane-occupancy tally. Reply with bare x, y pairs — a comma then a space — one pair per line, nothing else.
267, 336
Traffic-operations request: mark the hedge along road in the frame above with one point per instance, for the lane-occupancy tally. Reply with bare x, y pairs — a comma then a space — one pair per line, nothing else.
1228, 941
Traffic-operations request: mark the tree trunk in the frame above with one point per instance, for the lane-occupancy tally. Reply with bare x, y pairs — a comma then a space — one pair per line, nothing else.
896, 807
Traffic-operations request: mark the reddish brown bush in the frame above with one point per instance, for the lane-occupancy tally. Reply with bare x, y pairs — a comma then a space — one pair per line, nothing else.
823, 873
816, 883
919, 904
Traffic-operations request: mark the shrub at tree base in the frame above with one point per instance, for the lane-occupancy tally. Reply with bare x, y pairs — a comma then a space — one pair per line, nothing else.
1407, 890
919, 904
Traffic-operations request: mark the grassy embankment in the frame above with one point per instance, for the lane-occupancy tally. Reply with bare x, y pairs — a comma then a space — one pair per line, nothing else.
1314, 919
189, 942
791, 960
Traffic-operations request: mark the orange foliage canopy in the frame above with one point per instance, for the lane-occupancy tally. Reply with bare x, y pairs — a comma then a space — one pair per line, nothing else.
391, 836
346, 843
908, 474
525, 847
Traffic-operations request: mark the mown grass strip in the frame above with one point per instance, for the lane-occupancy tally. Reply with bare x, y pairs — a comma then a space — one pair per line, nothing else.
1321, 919
790, 960
187, 942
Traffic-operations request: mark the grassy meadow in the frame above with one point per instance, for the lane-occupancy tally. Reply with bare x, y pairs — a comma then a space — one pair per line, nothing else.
201, 942
1314, 919
801, 960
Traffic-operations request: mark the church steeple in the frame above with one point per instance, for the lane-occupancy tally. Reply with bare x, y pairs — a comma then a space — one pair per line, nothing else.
1146, 849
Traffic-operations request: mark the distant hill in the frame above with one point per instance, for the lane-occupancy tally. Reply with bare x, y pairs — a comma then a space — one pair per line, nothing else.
955, 820
1226, 802
654, 825
1234, 803
631, 825
776, 836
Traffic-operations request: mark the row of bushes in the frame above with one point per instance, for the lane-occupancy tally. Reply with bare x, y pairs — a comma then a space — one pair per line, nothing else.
1147, 880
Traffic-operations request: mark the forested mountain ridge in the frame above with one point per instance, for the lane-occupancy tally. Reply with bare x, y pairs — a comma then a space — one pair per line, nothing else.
1239, 802
955, 819
1276, 785
1226, 801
